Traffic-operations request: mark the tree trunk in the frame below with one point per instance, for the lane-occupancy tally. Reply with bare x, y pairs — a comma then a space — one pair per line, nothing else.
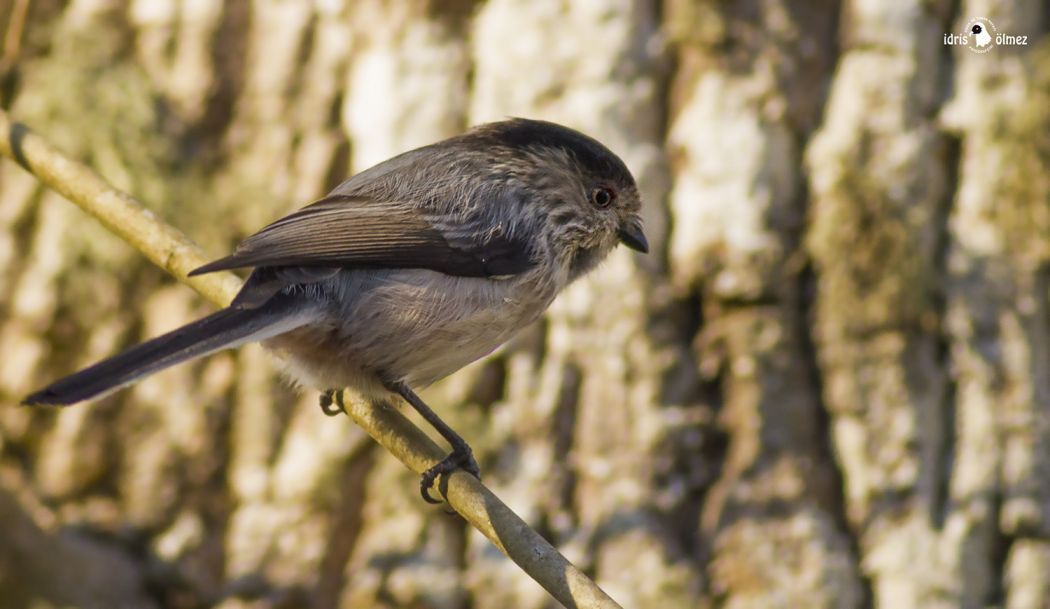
827, 386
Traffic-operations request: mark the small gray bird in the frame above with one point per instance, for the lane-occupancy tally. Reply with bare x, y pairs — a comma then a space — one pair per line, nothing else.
410, 270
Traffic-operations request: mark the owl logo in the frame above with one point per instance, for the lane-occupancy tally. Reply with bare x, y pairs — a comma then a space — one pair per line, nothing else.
980, 35
983, 38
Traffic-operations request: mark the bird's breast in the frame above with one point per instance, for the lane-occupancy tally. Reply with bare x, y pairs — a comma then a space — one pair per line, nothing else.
413, 325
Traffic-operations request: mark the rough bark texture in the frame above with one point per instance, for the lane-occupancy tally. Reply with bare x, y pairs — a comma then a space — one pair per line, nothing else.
828, 386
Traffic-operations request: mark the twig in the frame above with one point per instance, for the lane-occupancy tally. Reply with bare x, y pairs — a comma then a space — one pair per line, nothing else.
173, 251
164, 245
13, 37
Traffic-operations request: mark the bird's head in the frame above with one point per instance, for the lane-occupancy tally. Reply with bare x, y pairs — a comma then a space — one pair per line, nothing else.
588, 199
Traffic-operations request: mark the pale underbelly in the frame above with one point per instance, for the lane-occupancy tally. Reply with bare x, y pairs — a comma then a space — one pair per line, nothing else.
417, 330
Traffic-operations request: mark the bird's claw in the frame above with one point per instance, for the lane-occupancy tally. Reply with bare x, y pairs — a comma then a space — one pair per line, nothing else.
461, 457
332, 402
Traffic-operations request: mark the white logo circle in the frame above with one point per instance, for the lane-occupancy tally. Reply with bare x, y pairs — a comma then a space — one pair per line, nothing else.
980, 35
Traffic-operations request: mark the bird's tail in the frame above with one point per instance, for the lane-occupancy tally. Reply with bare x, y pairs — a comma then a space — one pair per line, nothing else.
225, 329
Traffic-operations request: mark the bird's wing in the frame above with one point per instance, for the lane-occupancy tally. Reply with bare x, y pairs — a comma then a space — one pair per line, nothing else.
357, 232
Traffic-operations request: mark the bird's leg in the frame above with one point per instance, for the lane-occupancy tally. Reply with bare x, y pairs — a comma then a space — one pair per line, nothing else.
461, 457
332, 402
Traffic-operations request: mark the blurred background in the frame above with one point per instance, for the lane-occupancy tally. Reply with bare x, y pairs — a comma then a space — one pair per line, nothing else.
828, 385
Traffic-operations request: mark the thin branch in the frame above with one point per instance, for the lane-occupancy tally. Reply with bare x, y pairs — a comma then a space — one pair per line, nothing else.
173, 251
164, 245
13, 38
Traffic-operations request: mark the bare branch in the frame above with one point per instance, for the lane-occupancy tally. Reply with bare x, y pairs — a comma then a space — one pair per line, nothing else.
168, 248
13, 38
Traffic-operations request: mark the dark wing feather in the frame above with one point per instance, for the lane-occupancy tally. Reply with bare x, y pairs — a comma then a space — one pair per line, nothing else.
356, 232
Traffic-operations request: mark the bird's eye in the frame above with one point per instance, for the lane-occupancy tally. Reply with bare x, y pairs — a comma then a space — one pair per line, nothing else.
602, 197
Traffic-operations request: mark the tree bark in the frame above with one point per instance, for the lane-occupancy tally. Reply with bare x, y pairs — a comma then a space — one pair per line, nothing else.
827, 386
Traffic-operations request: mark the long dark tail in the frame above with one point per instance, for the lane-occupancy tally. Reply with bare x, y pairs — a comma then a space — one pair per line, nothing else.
228, 328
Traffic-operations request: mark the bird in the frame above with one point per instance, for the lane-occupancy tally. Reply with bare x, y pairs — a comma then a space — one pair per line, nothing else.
409, 270
983, 37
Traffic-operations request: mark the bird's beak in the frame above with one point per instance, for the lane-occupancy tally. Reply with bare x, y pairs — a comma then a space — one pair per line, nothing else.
631, 235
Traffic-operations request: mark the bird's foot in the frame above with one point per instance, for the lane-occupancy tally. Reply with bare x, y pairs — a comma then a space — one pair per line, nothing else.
332, 402
461, 457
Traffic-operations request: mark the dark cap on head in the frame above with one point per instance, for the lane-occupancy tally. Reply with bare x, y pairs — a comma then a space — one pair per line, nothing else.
604, 173
591, 154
